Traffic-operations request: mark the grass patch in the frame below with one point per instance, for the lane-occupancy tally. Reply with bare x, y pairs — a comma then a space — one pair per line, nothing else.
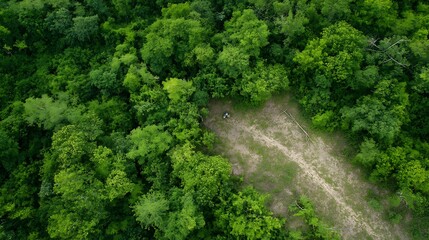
269, 162
375, 204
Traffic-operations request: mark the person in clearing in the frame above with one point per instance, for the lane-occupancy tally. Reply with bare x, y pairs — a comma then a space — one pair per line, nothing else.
226, 115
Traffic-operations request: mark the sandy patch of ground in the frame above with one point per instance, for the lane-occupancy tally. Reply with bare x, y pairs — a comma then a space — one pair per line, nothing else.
259, 143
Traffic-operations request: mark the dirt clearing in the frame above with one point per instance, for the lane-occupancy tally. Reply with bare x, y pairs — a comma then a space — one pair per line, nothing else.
271, 151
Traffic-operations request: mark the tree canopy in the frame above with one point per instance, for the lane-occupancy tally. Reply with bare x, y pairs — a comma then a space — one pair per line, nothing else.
101, 104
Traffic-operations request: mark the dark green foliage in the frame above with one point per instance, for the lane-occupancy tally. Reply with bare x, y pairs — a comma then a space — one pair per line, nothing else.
328, 67
19, 203
382, 114
172, 41
8, 152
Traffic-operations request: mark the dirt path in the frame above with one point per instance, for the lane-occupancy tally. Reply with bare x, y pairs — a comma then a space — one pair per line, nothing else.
336, 188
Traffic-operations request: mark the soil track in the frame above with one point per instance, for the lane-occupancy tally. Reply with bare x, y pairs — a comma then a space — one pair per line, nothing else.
335, 186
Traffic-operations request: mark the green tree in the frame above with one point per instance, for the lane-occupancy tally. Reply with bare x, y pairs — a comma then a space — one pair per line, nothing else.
114, 113
172, 40
178, 90
319, 230
8, 153
185, 121
328, 66
152, 210
83, 29
243, 215
369, 153
232, 61
18, 200
246, 32
419, 104
412, 175
205, 177
324, 120
44, 111
381, 114
380, 13
123, 7
84, 199
59, 22
149, 146
80, 183
336, 10
258, 85
290, 24
175, 218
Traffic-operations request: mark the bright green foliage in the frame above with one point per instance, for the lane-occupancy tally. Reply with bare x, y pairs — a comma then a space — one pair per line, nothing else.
170, 41
243, 38
136, 77
81, 190
151, 105
419, 46
149, 146
258, 85
246, 32
319, 230
369, 154
85, 199
414, 176
328, 67
291, 26
185, 123
402, 163
149, 142
118, 184
245, 216
178, 90
203, 54
73, 145
182, 222
78, 76
202, 176
233, 62
102, 158
337, 53
174, 219
44, 111
152, 209
324, 120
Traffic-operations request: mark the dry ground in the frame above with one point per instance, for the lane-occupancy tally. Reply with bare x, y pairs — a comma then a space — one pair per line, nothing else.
272, 153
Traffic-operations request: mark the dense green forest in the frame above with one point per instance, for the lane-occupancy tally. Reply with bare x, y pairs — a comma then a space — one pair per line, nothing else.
101, 104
